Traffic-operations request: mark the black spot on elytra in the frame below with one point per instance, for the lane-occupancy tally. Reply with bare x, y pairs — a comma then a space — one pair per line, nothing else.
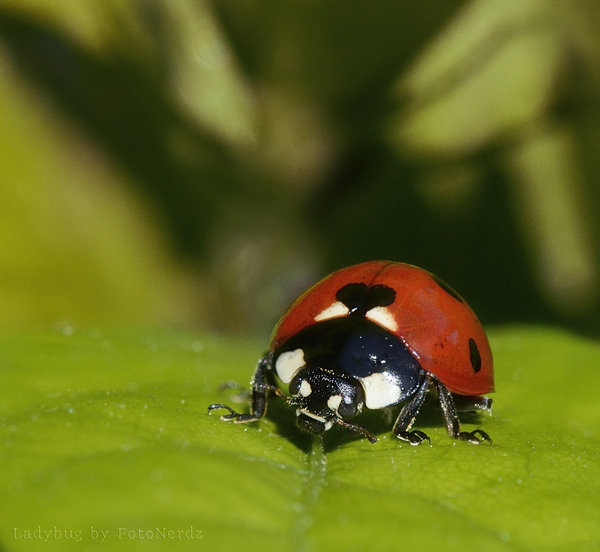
474, 355
360, 298
448, 289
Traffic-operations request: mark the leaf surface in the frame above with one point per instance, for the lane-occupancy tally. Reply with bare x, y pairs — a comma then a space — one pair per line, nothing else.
105, 443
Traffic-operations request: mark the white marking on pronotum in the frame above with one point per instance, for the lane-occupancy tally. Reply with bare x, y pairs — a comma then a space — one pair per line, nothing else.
334, 310
305, 388
288, 364
383, 317
380, 390
334, 402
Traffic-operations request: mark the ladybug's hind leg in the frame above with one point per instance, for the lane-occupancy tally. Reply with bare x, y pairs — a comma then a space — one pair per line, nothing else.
451, 417
260, 390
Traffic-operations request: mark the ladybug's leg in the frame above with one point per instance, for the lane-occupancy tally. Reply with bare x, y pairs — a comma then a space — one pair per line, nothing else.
260, 390
472, 403
451, 417
407, 416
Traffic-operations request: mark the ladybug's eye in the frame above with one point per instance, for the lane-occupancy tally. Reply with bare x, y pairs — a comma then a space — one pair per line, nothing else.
347, 408
350, 401
295, 386
300, 386
344, 407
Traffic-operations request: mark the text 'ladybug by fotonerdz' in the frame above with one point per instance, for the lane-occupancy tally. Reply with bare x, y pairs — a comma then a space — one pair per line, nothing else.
372, 336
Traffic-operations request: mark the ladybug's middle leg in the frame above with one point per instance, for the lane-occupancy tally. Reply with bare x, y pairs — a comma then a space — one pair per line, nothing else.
260, 390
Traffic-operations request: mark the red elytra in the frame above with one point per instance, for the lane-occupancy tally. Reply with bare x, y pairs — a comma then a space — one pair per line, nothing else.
430, 318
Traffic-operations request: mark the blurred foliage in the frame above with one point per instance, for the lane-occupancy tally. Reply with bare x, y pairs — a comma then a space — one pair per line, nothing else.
200, 162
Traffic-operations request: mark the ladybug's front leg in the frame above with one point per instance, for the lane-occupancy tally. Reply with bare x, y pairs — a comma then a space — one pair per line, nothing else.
407, 416
260, 389
451, 417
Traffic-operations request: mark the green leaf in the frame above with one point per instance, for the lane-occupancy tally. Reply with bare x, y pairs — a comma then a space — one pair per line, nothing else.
105, 439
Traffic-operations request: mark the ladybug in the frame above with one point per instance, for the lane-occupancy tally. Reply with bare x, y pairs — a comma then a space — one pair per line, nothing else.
372, 336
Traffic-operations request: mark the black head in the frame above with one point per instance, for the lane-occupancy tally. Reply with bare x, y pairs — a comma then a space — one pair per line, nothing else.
324, 398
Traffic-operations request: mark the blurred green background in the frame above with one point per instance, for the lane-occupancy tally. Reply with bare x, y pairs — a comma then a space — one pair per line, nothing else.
198, 164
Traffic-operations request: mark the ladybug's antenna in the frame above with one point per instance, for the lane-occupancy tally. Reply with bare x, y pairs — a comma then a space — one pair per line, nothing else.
293, 401
357, 429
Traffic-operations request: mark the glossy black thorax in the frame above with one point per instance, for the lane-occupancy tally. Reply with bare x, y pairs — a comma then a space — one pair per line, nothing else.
355, 349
